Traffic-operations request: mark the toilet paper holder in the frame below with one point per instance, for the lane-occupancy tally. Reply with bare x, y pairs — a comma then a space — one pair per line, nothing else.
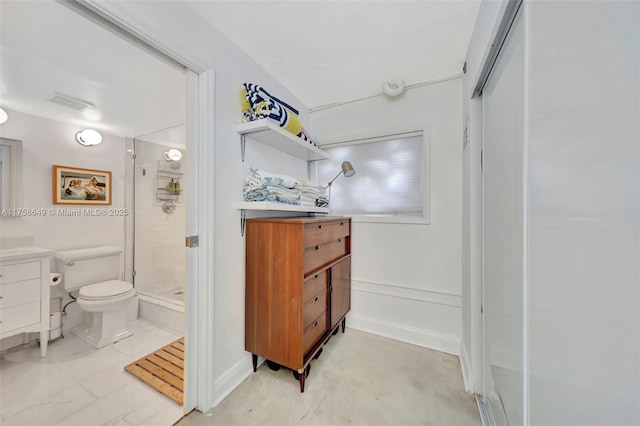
55, 278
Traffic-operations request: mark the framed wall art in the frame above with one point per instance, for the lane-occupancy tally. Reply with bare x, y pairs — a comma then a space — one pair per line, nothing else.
73, 185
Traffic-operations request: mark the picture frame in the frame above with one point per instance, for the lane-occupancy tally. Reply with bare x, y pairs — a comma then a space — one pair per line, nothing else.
74, 185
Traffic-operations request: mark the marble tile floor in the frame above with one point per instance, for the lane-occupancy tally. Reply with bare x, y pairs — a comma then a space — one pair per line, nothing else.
360, 379
76, 384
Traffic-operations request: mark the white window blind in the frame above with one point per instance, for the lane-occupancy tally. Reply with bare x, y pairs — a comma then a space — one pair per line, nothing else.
389, 178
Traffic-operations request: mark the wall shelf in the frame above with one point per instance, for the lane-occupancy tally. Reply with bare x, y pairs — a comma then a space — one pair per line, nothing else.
271, 206
268, 132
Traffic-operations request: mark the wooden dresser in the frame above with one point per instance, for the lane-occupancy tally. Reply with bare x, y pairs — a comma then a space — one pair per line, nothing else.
298, 288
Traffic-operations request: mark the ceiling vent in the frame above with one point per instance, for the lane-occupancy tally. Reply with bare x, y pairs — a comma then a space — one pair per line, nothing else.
69, 102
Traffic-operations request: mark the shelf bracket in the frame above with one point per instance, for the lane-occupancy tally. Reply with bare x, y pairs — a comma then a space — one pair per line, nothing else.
243, 142
243, 220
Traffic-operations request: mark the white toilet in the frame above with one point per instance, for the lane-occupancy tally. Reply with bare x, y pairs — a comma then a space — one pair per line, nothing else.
94, 272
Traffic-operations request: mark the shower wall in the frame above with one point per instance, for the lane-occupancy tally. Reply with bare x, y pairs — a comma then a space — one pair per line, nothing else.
159, 253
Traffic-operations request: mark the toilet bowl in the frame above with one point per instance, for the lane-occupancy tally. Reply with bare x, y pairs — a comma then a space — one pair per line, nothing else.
107, 302
93, 272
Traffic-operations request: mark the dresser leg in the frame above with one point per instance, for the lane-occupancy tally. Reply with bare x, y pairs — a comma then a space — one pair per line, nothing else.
303, 376
254, 358
344, 323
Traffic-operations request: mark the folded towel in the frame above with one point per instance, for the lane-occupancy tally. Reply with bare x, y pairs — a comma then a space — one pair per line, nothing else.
273, 178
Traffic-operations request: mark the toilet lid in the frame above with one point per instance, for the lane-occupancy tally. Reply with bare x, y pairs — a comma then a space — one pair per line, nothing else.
105, 289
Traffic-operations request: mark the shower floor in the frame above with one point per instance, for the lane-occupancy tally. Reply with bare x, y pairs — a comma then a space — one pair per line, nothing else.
174, 294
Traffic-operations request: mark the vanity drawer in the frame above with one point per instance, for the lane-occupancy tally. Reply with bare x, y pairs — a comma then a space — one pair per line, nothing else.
319, 255
314, 285
314, 331
20, 292
314, 307
19, 272
19, 316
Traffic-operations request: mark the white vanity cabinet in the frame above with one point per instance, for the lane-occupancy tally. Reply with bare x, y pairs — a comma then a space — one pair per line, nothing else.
24, 293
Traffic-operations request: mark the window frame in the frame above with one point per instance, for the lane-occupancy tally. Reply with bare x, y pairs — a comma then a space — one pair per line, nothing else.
386, 134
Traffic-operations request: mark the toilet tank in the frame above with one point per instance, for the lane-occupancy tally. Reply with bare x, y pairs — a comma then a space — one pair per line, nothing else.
86, 266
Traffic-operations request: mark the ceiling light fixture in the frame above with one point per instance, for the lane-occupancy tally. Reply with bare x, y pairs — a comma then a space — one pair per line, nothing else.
393, 88
88, 137
3, 116
172, 155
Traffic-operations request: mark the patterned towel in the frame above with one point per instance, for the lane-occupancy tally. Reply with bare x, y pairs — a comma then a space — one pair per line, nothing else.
258, 104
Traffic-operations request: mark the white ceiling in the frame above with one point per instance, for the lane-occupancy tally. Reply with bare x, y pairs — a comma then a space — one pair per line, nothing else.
323, 51
333, 51
48, 48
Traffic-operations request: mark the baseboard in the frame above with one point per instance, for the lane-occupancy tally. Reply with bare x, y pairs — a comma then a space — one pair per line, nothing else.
403, 333
231, 379
465, 366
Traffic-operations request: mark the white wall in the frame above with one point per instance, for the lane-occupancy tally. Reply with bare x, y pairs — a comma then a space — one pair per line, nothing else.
45, 143
406, 278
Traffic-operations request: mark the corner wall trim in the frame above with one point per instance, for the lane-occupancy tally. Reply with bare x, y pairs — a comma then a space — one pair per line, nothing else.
425, 338
465, 366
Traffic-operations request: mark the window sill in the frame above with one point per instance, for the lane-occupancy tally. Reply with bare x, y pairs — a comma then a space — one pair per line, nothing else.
387, 219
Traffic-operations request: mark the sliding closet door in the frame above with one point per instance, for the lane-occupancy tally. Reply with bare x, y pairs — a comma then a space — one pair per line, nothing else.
503, 103
584, 199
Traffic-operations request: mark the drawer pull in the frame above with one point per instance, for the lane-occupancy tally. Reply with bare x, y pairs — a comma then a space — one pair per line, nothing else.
316, 324
316, 248
341, 223
319, 227
339, 240
315, 277
316, 299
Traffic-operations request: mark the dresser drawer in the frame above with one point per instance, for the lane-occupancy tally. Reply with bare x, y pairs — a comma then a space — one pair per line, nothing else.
319, 255
19, 272
314, 331
19, 316
317, 234
340, 229
314, 307
314, 285
19, 292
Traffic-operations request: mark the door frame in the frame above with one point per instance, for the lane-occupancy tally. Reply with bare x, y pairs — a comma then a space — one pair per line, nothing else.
200, 89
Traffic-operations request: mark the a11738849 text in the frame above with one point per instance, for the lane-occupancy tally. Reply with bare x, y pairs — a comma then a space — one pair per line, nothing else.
67, 211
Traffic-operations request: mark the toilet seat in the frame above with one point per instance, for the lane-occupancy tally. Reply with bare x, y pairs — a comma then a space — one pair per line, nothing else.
106, 290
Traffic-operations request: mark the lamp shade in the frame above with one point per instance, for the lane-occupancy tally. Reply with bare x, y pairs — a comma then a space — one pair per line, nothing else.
348, 169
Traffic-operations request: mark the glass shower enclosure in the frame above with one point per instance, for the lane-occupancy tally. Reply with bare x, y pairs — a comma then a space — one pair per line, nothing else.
157, 183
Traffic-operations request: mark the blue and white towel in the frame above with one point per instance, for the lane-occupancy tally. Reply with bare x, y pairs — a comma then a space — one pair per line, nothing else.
261, 185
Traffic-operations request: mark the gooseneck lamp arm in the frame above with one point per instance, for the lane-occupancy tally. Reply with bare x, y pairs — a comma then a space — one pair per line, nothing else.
329, 184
